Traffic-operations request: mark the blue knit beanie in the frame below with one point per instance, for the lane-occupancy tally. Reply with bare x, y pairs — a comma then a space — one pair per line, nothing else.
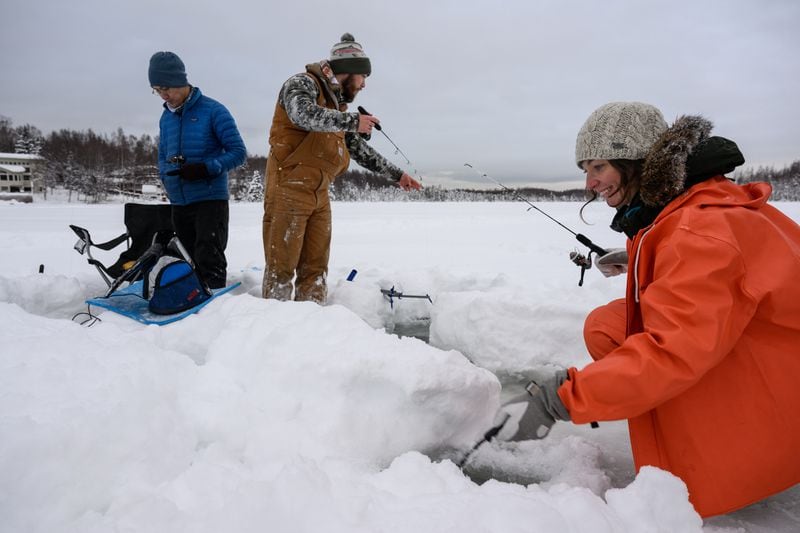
167, 70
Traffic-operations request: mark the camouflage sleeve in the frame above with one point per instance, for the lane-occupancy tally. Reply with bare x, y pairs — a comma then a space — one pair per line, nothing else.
299, 98
366, 156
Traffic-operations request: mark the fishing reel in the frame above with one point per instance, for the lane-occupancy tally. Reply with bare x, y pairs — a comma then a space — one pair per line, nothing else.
583, 261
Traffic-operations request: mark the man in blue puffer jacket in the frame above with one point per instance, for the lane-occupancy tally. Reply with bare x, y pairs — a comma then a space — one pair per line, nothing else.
199, 144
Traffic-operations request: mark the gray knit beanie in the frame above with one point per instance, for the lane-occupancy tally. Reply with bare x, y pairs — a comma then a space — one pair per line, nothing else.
348, 57
167, 70
619, 130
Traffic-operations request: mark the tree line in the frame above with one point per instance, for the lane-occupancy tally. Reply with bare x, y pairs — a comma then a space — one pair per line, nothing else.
361, 185
785, 181
97, 167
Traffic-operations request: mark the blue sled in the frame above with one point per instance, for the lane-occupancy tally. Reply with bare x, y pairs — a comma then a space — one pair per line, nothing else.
129, 302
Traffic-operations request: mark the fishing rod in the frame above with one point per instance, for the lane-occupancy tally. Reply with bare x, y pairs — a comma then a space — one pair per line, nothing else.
391, 294
583, 239
489, 435
380, 129
584, 262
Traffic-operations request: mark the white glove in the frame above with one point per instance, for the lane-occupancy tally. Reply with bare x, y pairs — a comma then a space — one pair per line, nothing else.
615, 262
531, 414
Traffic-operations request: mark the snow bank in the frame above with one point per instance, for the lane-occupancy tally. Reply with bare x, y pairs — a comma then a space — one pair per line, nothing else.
258, 415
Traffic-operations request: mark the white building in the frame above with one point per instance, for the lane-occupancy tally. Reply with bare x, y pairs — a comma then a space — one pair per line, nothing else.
20, 173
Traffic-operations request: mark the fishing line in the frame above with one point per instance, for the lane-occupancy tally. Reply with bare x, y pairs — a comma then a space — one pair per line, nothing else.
396, 148
584, 262
583, 239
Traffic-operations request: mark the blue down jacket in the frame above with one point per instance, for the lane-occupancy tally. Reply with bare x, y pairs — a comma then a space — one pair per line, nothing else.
202, 131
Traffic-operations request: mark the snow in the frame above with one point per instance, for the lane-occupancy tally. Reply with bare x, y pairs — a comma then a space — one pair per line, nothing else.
257, 415
19, 157
14, 169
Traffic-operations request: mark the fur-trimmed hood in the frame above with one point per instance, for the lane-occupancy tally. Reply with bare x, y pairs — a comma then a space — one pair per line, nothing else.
683, 155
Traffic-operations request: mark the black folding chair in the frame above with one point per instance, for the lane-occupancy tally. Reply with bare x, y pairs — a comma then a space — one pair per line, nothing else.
164, 242
143, 222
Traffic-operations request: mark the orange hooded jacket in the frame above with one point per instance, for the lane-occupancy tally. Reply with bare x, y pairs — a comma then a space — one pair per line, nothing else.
708, 374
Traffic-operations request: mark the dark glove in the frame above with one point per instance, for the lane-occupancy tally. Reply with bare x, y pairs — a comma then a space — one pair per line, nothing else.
191, 171
531, 414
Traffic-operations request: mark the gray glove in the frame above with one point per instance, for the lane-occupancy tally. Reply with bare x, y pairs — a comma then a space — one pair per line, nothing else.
613, 263
531, 414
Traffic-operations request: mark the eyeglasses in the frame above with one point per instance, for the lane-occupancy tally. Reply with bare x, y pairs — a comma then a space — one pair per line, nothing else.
161, 90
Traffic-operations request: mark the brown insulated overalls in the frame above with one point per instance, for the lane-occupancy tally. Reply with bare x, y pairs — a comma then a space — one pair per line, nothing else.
297, 210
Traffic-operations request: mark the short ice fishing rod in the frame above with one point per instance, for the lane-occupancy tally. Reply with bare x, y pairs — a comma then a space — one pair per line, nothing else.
380, 129
584, 262
391, 294
488, 436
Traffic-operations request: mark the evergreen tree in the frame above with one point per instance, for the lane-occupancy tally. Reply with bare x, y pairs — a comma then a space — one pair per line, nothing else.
255, 188
28, 140
7, 135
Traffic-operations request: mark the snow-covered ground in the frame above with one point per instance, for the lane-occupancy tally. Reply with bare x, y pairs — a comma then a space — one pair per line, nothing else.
257, 415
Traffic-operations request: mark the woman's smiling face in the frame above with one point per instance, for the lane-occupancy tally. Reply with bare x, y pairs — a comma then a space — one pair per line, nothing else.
605, 181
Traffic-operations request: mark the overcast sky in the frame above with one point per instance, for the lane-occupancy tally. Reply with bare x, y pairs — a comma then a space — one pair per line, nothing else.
503, 85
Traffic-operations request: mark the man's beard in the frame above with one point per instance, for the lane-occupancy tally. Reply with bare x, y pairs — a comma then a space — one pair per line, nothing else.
349, 89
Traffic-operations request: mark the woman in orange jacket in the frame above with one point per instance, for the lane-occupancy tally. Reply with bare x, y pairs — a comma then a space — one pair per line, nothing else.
702, 356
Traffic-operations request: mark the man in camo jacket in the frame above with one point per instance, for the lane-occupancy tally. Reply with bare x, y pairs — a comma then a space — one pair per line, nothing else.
311, 141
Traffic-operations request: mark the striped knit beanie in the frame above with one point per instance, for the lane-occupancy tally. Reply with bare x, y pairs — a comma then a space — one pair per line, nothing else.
348, 57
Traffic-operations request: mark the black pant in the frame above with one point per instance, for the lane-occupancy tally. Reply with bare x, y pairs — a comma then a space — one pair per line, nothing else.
202, 227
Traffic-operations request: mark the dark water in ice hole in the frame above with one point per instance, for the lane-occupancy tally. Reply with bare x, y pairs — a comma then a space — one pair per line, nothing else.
419, 328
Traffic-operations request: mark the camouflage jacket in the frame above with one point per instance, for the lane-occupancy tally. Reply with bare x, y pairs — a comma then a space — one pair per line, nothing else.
298, 97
